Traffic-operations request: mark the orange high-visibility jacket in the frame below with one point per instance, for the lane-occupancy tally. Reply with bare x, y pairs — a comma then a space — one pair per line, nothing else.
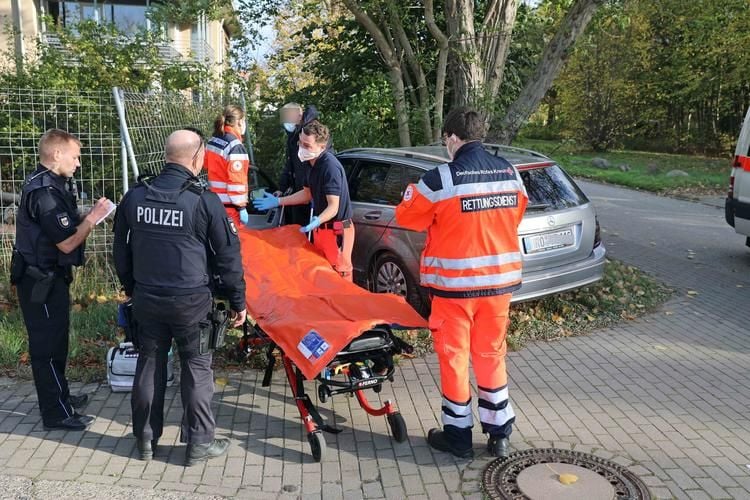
227, 164
471, 209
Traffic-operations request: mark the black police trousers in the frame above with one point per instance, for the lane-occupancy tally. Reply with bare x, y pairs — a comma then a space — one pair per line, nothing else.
160, 319
47, 325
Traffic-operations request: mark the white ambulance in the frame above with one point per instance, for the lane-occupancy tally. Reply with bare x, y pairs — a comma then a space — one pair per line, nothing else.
738, 197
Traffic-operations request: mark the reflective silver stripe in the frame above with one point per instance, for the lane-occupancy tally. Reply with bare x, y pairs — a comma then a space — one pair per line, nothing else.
59, 397
494, 397
473, 262
463, 282
478, 188
216, 150
450, 190
224, 198
219, 141
217, 184
456, 408
424, 190
465, 419
496, 417
236, 188
445, 176
238, 156
238, 199
235, 142
462, 423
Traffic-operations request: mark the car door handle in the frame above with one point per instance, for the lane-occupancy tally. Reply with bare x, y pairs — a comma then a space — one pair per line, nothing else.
373, 215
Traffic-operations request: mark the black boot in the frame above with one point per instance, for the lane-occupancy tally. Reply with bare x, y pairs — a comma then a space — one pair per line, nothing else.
196, 453
78, 401
74, 423
444, 441
146, 448
498, 446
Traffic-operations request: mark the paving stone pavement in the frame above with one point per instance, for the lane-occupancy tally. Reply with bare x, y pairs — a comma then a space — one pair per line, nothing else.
666, 395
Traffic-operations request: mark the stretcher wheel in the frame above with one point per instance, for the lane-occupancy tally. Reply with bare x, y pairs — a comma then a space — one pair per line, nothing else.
324, 392
317, 445
398, 427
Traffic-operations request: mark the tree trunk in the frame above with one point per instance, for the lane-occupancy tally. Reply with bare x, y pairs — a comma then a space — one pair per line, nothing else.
554, 56
402, 110
395, 71
468, 79
423, 93
441, 70
497, 40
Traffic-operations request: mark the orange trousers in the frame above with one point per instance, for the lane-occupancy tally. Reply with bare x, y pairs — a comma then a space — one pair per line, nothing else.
340, 257
473, 329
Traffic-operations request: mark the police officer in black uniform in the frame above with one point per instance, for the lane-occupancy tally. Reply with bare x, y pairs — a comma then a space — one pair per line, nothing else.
292, 180
50, 238
171, 238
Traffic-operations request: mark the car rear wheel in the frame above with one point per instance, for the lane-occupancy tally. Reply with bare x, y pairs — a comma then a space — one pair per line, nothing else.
390, 275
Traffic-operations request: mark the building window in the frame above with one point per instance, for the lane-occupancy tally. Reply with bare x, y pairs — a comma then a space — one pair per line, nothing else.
127, 16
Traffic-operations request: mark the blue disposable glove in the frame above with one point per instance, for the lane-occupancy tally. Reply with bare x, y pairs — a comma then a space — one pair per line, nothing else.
314, 224
268, 202
244, 217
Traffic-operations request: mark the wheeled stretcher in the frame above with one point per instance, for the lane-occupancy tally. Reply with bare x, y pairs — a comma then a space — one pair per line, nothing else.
323, 327
365, 364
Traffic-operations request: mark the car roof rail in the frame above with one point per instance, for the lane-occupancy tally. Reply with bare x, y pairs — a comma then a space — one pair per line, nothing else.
398, 152
503, 147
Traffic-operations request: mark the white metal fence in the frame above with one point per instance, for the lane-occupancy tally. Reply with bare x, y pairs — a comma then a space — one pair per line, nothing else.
25, 114
123, 135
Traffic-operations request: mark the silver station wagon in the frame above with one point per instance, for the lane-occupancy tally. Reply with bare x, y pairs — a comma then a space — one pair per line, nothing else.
559, 235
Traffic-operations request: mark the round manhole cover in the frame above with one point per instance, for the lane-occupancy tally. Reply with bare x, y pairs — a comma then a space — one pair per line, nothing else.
535, 475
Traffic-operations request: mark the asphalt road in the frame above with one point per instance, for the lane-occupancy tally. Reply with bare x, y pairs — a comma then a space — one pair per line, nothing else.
640, 226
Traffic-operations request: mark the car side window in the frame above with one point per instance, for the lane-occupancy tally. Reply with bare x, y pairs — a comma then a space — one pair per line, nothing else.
348, 164
412, 175
377, 182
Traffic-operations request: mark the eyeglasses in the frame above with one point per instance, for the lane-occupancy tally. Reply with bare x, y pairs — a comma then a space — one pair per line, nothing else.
199, 133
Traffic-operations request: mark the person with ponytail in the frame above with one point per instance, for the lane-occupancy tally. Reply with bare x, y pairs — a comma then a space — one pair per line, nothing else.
227, 163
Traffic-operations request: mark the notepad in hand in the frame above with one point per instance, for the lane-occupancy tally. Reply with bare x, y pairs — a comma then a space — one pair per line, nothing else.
110, 208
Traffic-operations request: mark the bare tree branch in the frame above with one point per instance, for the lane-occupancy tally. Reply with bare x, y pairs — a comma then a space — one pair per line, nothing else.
395, 72
442, 66
554, 56
423, 93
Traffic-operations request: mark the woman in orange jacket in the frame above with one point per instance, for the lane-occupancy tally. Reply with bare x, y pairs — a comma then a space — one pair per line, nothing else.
228, 163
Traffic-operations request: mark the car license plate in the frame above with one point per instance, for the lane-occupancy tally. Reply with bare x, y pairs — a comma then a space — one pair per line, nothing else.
548, 241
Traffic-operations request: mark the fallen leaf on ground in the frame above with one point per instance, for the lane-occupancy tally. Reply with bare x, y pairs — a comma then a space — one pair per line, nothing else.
568, 478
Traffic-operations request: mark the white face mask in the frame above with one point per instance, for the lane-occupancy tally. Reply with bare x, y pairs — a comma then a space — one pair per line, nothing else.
290, 127
306, 155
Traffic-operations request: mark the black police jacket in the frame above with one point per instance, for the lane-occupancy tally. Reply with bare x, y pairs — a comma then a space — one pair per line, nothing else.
47, 215
173, 237
295, 172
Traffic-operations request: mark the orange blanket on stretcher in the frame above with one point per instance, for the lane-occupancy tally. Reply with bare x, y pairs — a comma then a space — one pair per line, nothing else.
304, 306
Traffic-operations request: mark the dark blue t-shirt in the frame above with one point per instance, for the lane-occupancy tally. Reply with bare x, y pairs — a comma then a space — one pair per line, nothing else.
327, 177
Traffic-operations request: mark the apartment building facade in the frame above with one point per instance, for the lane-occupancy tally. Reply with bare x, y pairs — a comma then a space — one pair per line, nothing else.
25, 22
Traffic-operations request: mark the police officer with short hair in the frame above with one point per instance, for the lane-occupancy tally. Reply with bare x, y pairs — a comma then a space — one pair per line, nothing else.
50, 238
171, 237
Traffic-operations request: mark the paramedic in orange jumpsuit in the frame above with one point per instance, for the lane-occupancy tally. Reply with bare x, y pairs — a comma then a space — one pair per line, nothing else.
327, 189
471, 208
227, 163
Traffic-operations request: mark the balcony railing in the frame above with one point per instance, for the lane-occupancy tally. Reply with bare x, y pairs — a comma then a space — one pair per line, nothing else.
170, 51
